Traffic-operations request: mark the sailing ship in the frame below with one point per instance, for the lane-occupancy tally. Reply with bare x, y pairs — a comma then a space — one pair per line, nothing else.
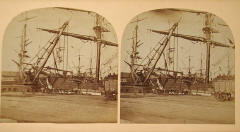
39, 75
148, 76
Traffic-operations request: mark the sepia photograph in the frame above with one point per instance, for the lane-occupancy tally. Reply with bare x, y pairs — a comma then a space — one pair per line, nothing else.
177, 67
59, 65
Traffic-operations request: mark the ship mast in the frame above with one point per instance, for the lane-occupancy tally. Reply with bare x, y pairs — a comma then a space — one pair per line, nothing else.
229, 71
23, 53
161, 50
79, 66
52, 47
151, 64
90, 68
134, 55
207, 39
207, 32
201, 69
189, 65
99, 30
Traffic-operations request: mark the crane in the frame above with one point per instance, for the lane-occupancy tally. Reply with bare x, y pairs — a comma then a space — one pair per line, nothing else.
99, 30
208, 30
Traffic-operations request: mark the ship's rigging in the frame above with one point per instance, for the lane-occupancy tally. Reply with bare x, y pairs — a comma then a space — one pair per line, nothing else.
207, 30
22, 55
150, 60
99, 41
39, 64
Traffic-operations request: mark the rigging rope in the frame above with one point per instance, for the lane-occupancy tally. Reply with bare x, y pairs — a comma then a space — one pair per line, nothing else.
42, 49
165, 62
159, 42
177, 48
67, 49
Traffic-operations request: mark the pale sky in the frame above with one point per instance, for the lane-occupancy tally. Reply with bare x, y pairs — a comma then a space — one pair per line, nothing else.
52, 18
190, 24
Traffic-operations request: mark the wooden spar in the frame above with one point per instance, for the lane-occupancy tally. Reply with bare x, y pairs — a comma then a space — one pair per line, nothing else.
133, 61
54, 42
191, 11
134, 55
79, 65
207, 32
90, 67
54, 59
51, 68
189, 65
70, 9
98, 31
133, 71
78, 36
161, 69
151, 59
165, 42
98, 39
22, 55
194, 38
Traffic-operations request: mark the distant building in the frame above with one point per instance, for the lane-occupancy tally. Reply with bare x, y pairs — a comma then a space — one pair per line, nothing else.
111, 82
127, 83
224, 84
9, 77
111, 76
111, 85
10, 82
125, 78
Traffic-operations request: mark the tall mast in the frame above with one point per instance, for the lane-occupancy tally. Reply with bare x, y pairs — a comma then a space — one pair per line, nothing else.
79, 65
90, 68
201, 66
135, 45
207, 32
207, 39
189, 64
98, 32
99, 29
23, 53
165, 42
228, 73
79, 60
133, 59
53, 45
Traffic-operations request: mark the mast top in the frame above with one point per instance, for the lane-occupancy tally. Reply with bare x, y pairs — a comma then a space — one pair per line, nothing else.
137, 20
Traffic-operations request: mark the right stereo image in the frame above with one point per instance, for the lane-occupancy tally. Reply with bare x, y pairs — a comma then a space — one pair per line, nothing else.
177, 67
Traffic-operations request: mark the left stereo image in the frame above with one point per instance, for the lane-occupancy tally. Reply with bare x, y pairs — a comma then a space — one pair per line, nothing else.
59, 65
